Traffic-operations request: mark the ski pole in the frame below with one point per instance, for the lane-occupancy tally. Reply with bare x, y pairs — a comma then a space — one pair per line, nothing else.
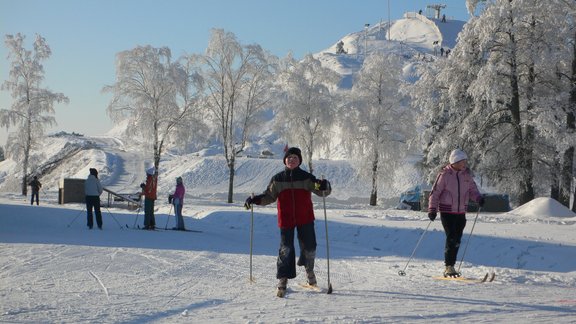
403, 272
117, 222
327, 246
80, 212
138, 212
168, 218
251, 236
468, 242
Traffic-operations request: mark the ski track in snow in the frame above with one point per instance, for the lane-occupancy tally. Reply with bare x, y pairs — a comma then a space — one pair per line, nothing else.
101, 284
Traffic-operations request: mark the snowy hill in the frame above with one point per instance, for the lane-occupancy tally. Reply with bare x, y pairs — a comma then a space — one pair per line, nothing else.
411, 37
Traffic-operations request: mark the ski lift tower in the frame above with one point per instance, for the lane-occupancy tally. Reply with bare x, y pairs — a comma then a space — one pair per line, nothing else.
436, 8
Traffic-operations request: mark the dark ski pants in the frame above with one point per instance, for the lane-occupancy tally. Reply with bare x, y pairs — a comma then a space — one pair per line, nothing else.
149, 220
453, 227
93, 203
34, 194
286, 263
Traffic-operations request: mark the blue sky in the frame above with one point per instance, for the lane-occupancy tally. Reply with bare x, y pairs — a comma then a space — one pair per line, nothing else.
85, 35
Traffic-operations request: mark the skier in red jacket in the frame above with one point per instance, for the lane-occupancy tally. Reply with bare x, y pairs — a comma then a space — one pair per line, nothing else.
292, 189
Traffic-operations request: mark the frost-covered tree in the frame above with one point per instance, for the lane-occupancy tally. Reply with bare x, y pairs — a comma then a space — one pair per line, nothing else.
488, 95
153, 95
558, 121
236, 88
308, 106
33, 106
376, 121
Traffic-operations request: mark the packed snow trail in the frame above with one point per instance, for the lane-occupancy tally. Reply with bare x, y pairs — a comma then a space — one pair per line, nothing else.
127, 168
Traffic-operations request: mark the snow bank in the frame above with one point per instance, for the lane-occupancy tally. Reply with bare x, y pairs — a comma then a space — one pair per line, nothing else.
542, 206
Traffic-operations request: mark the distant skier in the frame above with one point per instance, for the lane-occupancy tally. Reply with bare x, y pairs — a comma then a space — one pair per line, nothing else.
149, 193
35, 185
450, 194
340, 48
178, 202
292, 189
93, 189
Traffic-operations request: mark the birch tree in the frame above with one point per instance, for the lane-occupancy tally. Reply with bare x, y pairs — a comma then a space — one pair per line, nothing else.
153, 95
236, 88
32, 109
308, 107
377, 121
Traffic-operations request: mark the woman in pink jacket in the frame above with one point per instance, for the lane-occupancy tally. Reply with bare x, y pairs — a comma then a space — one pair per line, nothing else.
450, 194
178, 201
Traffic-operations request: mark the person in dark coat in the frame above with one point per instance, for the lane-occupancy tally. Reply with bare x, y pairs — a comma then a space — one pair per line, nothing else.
149, 193
291, 189
93, 189
35, 185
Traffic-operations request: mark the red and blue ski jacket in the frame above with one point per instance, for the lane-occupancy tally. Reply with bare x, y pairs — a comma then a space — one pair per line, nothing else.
292, 190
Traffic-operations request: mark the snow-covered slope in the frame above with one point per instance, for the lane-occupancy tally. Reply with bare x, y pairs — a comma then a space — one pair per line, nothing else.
411, 37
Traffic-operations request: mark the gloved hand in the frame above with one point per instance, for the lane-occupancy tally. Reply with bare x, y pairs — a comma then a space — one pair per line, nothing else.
481, 202
252, 200
142, 185
321, 185
432, 215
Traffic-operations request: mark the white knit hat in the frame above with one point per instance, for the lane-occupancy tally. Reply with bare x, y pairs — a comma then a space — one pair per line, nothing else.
457, 155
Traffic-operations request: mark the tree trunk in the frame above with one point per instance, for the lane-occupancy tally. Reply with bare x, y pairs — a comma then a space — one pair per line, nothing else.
568, 161
566, 177
523, 143
231, 180
574, 200
27, 148
374, 191
555, 179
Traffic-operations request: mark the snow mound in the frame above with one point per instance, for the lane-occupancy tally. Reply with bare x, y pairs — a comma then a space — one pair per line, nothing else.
543, 206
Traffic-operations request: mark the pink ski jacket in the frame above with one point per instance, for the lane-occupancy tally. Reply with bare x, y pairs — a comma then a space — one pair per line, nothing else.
452, 191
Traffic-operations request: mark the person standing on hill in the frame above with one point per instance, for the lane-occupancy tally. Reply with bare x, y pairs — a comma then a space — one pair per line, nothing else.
178, 201
92, 190
292, 189
450, 194
149, 193
35, 185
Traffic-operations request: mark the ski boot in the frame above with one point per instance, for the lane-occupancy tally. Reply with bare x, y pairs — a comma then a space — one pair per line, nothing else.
281, 288
450, 272
311, 277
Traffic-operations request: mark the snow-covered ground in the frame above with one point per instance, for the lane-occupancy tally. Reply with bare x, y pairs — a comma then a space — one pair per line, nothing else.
53, 269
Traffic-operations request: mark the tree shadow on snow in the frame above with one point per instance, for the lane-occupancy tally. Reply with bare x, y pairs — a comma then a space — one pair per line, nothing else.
229, 232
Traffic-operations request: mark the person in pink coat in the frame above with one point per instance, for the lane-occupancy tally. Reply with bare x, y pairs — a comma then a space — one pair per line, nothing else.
178, 201
450, 194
